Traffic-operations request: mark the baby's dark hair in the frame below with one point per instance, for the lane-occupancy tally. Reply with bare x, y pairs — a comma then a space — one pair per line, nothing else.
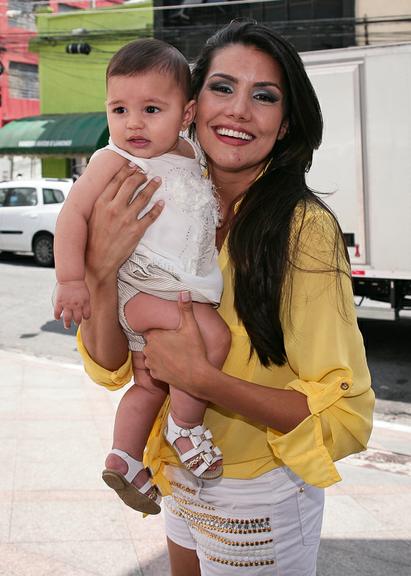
147, 55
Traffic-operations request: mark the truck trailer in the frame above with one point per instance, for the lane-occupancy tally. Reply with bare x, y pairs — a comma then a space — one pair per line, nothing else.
363, 168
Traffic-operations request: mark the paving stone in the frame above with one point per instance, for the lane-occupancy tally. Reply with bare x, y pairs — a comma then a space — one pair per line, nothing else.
57, 518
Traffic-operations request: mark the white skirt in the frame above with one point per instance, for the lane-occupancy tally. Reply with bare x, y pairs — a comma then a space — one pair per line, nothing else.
265, 526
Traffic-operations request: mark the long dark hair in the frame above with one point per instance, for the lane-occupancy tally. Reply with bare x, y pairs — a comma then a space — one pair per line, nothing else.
259, 239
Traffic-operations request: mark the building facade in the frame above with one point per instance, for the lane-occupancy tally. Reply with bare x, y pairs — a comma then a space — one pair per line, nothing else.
71, 44
382, 22
308, 24
19, 77
19, 85
73, 49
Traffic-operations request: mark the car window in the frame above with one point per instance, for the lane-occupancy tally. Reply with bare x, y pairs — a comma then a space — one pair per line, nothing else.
52, 196
21, 197
3, 193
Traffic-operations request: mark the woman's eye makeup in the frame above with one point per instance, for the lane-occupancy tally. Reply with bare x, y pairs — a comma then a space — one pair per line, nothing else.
266, 96
260, 95
224, 88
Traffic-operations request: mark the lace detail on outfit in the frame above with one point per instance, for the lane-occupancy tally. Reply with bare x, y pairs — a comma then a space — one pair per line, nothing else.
194, 196
177, 252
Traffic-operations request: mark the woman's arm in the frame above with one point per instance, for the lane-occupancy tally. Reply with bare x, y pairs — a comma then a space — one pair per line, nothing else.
114, 231
178, 357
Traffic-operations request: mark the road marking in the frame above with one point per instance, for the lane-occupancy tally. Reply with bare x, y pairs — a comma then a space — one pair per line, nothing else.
395, 426
41, 359
384, 460
392, 426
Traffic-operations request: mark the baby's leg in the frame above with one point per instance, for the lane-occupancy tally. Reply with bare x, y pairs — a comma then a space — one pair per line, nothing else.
136, 414
145, 312
134, 419
217, 340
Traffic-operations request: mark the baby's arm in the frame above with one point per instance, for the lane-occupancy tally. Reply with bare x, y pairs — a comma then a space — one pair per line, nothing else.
72, 297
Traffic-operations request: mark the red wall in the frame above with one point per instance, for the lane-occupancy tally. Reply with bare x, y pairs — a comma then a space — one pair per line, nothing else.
14, 48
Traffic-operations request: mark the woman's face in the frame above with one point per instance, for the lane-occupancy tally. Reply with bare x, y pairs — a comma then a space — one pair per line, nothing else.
240, 112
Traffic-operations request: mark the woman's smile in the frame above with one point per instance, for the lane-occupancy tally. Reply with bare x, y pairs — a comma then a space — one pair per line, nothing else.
233, 136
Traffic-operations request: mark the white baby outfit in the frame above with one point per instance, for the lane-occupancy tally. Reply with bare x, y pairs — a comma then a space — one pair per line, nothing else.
177, 252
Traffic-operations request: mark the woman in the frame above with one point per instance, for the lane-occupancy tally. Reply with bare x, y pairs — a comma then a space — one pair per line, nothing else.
294, 394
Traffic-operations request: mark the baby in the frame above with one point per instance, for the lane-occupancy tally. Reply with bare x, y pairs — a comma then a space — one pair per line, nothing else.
148, 105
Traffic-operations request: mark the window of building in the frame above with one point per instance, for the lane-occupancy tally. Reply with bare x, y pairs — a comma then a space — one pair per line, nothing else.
303, 22
21, 14
61, 7
23, 80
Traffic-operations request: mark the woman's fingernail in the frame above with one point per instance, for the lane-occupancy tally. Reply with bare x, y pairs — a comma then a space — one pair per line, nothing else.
157, 179
132, 165
185, 296
160, 203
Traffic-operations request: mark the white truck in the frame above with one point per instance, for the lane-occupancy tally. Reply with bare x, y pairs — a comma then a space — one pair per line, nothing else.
364, 166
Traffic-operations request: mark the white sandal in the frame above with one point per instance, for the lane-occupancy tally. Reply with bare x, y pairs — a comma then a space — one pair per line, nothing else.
134, 497
203, 454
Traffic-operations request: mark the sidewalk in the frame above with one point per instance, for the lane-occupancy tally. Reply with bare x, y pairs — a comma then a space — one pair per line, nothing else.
58, 518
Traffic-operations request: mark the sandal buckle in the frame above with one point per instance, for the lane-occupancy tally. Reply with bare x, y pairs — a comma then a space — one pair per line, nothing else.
196, 441
208, 458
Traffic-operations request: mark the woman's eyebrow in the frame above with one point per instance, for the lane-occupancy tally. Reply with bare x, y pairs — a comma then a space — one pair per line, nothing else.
235, 80
225, 76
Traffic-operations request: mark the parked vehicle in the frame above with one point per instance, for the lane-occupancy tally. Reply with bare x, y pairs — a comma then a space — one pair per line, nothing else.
28, 214
364, 164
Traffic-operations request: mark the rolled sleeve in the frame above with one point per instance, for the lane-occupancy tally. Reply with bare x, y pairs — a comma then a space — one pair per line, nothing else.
325, 350
112, 380
321, 396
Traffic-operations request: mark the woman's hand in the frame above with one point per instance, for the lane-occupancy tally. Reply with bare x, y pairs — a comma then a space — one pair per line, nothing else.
178, 357
114, 229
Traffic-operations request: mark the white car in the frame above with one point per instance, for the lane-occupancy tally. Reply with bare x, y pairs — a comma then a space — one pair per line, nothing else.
28, 214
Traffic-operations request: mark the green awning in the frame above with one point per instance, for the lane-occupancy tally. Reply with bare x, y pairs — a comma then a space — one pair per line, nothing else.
55, 135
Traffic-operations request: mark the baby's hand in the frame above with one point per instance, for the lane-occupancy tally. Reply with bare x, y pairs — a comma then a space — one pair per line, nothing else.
72, 302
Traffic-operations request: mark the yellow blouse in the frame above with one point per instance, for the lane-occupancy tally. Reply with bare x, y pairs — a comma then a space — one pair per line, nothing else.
326, 362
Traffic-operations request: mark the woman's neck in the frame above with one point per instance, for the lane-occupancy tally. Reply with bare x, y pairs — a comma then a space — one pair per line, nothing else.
230, 186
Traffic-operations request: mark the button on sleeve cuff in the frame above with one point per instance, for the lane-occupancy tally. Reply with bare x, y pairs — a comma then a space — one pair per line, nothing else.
112, 380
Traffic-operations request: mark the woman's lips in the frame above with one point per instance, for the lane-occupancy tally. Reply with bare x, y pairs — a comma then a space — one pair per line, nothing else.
233, 137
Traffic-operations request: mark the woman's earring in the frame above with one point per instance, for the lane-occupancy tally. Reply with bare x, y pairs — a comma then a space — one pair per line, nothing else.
283, 130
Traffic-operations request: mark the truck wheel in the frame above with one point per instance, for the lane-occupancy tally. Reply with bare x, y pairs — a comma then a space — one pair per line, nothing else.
43, 250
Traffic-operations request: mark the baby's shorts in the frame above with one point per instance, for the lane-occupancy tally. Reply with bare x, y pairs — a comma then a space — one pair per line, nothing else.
266, 526
140, 275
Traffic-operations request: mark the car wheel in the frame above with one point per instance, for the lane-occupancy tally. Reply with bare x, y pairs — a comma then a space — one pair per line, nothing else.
43, 250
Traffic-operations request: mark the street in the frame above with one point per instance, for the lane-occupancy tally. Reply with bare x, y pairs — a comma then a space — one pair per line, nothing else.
28, 326
58, 517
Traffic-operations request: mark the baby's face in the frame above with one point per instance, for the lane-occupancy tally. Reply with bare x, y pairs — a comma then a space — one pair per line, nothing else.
146, 112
